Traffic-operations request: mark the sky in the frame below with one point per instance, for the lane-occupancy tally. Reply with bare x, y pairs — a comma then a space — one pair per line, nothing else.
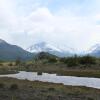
69, 23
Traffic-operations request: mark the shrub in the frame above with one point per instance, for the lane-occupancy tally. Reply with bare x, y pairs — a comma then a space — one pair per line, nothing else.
17, 62
63, 60
51, 89
39, 73
10, 64
72, 61
14, 87
90, 98
87, 60
1, 64
2, 85
52, 60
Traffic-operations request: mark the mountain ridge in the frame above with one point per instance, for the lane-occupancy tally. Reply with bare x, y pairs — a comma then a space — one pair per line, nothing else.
95, 50
12, 52
46, 47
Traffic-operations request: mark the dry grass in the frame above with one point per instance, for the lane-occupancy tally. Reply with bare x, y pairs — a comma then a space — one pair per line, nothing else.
28, 90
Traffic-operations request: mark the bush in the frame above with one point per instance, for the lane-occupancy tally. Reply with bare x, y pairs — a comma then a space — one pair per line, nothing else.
1, 64
90, 98
14, 87
39, 73
87, 60
52, 60
63, 60
51, 89
17, 62
10, 64
71, 61
74, 61
2, 85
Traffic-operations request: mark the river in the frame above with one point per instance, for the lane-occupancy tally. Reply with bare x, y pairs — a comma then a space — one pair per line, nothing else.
66, 80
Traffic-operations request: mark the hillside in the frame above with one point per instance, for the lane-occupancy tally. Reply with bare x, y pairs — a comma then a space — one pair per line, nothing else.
13, 52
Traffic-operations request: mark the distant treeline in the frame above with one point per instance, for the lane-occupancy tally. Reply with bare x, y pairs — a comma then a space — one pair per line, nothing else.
76, 60
69, 61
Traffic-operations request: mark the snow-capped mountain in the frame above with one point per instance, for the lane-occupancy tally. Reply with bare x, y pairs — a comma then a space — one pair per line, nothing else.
95, 50
46, 47
42, 46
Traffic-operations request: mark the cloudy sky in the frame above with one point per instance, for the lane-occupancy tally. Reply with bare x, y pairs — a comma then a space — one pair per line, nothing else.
72, 23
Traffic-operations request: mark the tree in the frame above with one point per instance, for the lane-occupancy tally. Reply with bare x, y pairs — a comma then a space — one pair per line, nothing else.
72, 61
18, 61
87, 60
52, 60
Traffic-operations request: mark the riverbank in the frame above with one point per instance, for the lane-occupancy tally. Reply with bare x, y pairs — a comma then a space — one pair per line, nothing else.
13, 89
52, 68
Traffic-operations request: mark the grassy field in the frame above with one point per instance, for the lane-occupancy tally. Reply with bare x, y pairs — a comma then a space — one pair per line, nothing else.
85, 66
58, 68
13, 89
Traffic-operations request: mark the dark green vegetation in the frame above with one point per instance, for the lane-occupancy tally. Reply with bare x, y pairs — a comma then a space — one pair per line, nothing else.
85, 66
13, 89
69, 61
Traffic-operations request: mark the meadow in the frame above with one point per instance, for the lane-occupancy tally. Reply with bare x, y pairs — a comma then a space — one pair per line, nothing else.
13, 89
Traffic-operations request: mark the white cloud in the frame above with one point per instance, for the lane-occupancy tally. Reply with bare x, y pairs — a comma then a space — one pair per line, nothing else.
62, 27
70, 30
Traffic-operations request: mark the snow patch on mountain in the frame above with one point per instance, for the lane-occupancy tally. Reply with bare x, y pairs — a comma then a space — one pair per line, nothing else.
42, 47
94, 48
46, 47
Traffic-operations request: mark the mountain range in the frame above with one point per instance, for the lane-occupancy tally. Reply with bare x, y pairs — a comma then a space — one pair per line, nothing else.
49, 48
13, 52
95, 50
62, 51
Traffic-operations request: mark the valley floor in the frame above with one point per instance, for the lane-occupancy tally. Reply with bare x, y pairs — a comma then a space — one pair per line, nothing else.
14, 89
59, 69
